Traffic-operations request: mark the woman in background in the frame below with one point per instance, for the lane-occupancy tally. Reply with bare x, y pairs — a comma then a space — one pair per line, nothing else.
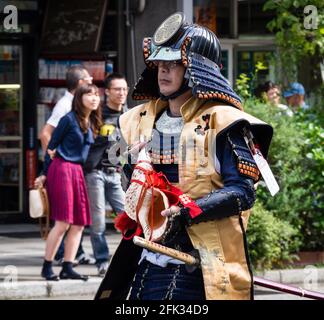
67, 151
271, 92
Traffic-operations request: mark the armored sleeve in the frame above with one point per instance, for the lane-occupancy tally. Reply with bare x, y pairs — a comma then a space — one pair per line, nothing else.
239, 171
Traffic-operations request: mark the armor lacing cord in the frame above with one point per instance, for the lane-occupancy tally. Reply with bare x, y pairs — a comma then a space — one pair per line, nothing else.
173, 284
138, 295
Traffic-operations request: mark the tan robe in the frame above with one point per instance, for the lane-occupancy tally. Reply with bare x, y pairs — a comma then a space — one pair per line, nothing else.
221, 242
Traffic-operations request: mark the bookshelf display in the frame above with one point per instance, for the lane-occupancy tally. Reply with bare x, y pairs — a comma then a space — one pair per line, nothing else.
52, 84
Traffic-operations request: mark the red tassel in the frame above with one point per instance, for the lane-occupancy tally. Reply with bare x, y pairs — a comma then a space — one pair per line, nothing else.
123, 222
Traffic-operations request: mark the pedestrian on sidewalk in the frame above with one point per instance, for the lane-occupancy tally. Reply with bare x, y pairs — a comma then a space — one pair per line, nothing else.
67, 151
103, 169
75, 76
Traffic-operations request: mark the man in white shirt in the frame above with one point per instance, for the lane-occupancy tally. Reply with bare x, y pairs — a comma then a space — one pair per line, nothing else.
62, 107
75, 76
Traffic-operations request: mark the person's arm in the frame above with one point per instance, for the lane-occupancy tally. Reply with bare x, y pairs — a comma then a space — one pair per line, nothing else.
57, 137
96, 153
239, 172
45, 136
238, 193
59, 111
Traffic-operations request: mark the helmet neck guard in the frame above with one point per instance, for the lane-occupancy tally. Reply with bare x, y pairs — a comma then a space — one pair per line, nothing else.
199, 50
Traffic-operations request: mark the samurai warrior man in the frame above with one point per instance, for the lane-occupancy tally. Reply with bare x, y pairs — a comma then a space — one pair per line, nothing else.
203, 143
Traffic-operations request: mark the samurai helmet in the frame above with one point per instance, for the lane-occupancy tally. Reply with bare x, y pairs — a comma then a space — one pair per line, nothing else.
199, 51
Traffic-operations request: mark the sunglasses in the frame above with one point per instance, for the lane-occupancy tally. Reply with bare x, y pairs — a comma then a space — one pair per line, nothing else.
167, 64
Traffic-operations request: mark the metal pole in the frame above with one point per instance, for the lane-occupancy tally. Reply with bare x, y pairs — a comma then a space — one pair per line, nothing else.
288, 289
234, 19
121, 38
130, 24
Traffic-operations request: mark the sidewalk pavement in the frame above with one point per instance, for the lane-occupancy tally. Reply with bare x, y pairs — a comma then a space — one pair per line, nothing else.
21, 257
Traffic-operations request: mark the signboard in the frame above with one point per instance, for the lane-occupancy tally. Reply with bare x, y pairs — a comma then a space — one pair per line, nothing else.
73, 26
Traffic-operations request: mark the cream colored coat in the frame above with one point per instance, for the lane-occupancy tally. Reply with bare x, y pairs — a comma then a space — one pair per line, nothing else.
221, 243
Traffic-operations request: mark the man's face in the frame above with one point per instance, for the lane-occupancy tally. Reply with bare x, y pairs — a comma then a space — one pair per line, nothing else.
295, 100
170, 76
86, 78
117, 92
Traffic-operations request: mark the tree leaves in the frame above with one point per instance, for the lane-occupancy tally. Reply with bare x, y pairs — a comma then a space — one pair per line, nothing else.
292, 37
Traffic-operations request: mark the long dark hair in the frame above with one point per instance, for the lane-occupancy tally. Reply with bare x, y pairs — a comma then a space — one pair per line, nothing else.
265, 87
95, 118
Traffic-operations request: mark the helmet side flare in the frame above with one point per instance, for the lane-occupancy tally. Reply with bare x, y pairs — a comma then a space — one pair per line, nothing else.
199, 50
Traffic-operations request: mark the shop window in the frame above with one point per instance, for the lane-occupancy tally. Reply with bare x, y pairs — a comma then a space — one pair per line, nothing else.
225, 65
98, 54
10, 129
251, 17
73, 27
247, 60
215, 15
109, 33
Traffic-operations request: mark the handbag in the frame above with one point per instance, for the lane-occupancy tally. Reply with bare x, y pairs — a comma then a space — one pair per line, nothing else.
38, 203
39, 208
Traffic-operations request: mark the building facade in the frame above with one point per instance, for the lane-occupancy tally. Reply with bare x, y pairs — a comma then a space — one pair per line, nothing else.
34, 57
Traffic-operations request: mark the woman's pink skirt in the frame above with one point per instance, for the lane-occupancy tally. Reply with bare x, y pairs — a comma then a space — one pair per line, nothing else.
67, 193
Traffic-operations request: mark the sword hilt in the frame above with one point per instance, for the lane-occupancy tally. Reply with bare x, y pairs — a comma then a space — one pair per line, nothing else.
173, 253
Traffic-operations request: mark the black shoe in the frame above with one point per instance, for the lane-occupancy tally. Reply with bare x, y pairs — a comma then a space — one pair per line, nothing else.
60, 262
50, 276
47, 272
72, 275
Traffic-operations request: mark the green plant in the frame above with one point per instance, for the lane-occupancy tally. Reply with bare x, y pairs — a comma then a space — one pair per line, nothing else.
243, 86
313, 149
294, 40
270, 239
296, 158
